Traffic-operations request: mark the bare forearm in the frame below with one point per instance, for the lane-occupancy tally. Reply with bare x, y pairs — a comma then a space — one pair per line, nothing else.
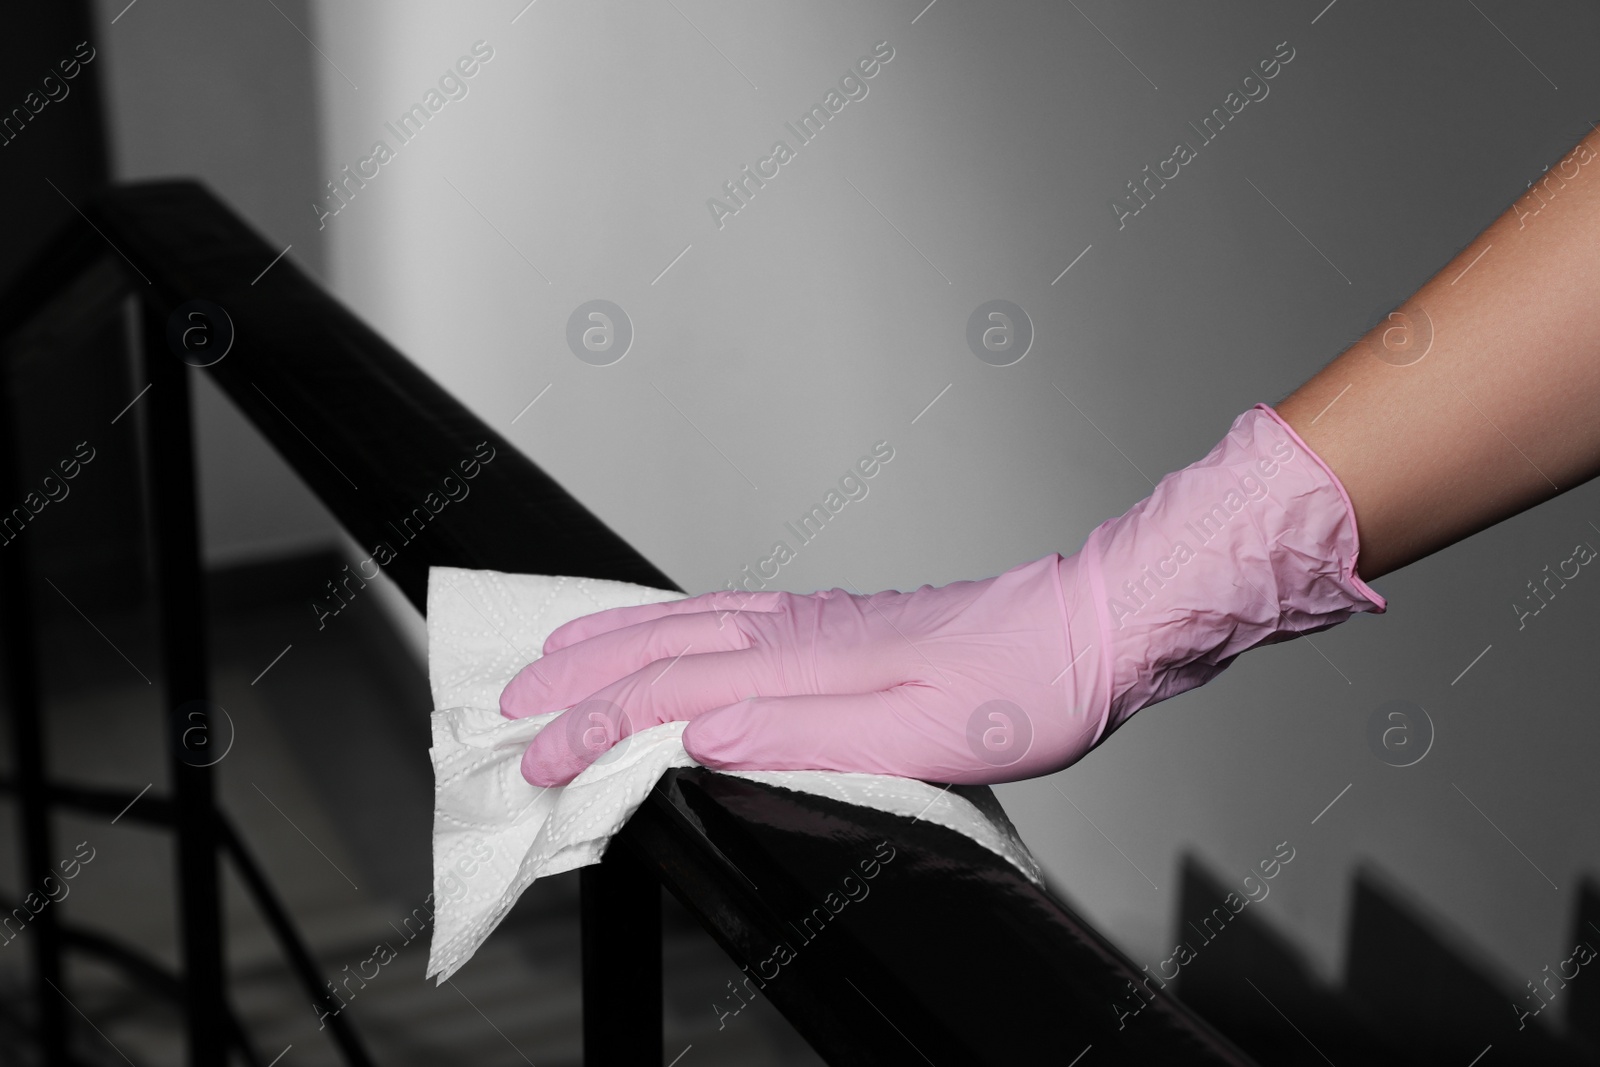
1503, 409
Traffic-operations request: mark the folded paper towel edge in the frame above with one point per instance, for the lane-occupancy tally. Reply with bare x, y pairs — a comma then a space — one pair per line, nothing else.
467, 921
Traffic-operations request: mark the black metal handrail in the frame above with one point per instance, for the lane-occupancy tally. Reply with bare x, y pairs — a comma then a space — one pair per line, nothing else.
966, 961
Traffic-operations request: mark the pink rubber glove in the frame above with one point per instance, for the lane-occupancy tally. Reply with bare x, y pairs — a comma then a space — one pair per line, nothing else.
977, 681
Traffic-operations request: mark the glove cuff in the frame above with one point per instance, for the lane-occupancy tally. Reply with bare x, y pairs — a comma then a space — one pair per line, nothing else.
1254, 544
1350, 536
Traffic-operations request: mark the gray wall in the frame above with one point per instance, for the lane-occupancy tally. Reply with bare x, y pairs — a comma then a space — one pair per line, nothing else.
224, 92
830, 311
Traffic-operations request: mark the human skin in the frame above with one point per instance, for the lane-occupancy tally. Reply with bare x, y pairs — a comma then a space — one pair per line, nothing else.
1503, 412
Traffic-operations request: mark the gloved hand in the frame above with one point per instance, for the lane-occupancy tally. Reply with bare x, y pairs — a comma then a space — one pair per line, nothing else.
977, 681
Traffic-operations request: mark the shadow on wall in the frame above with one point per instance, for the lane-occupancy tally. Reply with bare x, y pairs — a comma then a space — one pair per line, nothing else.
1411, 992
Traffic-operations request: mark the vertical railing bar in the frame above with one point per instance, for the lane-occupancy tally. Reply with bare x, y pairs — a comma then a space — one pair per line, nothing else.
181, 610
28, 747
620, 900
299, 957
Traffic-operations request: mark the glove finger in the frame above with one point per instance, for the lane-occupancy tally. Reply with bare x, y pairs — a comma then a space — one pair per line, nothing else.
872, 733
568, 675
660, 692
721, 603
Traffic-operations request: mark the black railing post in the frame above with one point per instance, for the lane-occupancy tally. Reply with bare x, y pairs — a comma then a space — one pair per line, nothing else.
298, 956
621, 902
182, 622
19, 624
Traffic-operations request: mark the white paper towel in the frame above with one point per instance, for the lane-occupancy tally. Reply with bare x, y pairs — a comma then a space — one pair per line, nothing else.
494, 834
